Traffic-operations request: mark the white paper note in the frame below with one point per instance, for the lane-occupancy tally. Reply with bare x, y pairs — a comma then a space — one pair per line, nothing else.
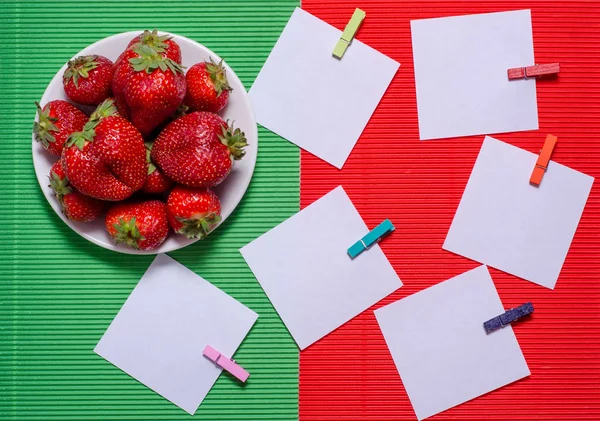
506, 223
304, 268
440, 348
460, 72
165, 324
311, 98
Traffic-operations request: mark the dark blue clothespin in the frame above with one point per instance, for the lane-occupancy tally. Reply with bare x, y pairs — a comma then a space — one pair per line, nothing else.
371, 238
508, 317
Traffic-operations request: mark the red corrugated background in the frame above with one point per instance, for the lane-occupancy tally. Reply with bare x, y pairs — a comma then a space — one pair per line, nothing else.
349, 375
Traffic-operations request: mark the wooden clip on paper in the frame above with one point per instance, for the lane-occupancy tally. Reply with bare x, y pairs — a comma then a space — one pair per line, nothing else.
508, 317
533, 71
373, 237
543, 159
226, 363
349, 32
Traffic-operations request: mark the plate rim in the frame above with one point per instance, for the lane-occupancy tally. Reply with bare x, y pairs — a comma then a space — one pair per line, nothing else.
112, 246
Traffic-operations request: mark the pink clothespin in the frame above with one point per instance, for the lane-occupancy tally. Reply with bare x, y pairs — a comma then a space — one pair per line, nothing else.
533, 71
226, 363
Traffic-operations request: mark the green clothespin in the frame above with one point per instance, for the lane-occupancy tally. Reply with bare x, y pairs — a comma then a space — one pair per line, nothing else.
349, 31
371, 238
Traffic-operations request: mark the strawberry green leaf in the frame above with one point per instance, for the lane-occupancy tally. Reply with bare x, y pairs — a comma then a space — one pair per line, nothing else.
60, 185
217, 76
90, 125
181, 111
150, 59
106, 109
80, 67
151, 166
79, 139
128, 233
235, 140
199, 227
44, 126
153, 40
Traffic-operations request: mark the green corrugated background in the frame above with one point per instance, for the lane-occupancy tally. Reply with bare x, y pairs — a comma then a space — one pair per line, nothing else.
58, 292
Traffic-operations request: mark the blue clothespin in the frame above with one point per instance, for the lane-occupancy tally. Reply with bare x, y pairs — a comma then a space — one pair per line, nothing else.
371, 238
508, 317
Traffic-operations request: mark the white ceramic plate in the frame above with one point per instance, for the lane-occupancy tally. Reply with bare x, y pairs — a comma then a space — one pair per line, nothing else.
230, 191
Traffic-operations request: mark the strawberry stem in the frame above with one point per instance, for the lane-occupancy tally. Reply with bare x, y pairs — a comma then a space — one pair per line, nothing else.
199, 227
151, 166
181, 111
150, 59
80, 138
80, 67
60, 185
106, 109
128, 233
61, 188
235, 140
153, 40
44, 126
217, 75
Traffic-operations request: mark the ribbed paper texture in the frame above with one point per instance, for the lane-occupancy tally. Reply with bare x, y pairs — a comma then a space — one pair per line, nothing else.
58, 292
349, 375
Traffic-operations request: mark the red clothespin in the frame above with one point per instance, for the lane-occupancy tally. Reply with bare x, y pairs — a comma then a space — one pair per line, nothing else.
533, 71
226, 363
542, 162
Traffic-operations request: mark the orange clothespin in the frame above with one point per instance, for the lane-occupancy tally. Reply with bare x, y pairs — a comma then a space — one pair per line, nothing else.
533, 71
542, 162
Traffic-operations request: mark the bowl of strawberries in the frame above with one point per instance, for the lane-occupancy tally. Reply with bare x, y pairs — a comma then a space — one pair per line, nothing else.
144, 142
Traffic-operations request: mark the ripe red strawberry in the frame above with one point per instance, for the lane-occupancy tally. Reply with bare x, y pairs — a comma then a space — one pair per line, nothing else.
156, 182
107, 160
56, 122
88, 79
139, 225
121, 75
154, 40
197, 149
193, 212
148, 83
207, 87
75, 206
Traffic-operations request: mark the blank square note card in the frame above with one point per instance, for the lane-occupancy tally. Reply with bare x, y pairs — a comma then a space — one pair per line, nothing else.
440, 348
313, 99
506, 223
460, 74
304, 268
165, 324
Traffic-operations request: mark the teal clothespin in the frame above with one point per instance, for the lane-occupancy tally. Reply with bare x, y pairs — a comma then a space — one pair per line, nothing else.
371, 238
349, 32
